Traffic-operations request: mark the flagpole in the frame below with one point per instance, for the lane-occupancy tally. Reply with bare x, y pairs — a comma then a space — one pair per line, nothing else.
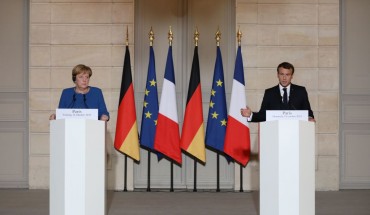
151, 39
218, 38
148, 186
170, 38
196, 39
125, 185
195, 175
218, 172
239, 37
241, 179
171, 189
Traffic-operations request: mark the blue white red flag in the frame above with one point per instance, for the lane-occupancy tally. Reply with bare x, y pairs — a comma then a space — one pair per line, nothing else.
237, 139
167, 137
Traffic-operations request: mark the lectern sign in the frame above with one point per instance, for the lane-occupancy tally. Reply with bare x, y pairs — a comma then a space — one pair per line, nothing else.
77, 114
286, 115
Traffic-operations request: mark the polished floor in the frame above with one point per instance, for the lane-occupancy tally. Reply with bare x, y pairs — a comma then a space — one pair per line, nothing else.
36, 202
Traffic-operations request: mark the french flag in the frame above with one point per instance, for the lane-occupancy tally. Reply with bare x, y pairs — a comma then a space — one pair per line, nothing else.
237, 138
167, 137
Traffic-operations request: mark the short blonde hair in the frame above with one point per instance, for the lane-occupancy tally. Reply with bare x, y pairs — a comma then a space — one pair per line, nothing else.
80, 68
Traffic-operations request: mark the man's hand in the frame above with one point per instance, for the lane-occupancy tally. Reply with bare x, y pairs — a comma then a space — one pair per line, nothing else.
246, 112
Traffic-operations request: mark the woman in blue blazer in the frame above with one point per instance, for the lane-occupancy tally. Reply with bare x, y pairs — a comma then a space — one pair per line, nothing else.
82, 95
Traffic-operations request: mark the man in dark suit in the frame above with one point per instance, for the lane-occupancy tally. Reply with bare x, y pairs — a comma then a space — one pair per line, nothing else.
284, 96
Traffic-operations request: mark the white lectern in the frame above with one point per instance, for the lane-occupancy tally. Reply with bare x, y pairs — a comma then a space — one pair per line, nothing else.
287, 168
77, 167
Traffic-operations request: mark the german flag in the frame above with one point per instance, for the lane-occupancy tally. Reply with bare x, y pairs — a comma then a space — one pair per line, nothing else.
127, 139
192, 138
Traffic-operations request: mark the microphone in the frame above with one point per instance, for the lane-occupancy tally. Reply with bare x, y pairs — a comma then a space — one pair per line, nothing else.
86, 106
73, 101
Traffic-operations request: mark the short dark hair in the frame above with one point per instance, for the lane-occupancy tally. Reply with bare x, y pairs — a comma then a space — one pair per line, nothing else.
286, 65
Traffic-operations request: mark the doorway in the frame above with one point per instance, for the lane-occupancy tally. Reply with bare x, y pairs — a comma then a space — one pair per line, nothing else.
14, 94
184, 16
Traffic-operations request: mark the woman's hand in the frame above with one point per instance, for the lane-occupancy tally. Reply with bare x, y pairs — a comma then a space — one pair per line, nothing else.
104, 117
52, 116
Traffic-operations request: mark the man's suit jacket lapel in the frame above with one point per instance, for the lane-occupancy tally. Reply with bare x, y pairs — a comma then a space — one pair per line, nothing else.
277, 93
292, 94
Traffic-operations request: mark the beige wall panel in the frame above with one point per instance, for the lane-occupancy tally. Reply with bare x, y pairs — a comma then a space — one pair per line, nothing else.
101, 77
247, 13
252, 101
107, 98
116, 79
119, 34
328, 14
114, 100
314, 101
39, 56
306, 77
118, 55
328, 122
246, 1
267, 78
39, 144
39, 122
73, 55
328, 145
39, 78
250, 76
81, 13
329, 1
83, 1
250, 34
288, 1
304, 56
250, 56
38, 1
40, 34
55, 96
61, 77
328, 56
287, 14
39, 166
122, 13
328, 102
39, 100
329, 35
327, 173
253, 128
267, 35
298, 35
329, 79
81, 34
40, 13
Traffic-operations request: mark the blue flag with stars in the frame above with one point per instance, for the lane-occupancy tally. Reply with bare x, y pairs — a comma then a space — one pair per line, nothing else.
217, 114
150, 107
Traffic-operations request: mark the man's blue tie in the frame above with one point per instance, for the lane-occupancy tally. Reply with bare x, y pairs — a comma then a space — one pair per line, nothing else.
285, 96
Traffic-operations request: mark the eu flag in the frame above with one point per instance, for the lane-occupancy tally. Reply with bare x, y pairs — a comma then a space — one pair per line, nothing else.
150, 106
217, 114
